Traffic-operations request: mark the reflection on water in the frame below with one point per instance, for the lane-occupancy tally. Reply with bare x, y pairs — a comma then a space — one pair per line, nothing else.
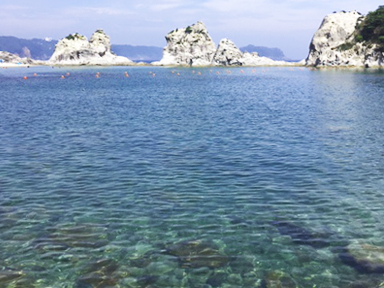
268, 178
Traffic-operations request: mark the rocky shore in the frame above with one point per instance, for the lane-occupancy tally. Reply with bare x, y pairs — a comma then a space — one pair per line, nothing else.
344, 39
192, 46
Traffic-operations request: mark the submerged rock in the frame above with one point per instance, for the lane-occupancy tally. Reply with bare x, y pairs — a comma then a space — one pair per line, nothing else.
62, 237
9, 275
365, 258
301, 235
75, 49
198, 253
278, 279
98, 274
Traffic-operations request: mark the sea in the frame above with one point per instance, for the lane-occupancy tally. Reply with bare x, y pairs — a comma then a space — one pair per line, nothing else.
191, 177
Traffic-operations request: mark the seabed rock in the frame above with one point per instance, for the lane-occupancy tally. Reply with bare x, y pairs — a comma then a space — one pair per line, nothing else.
198, 253
301, 235
9, 275
278, 279
98, 274
365, 258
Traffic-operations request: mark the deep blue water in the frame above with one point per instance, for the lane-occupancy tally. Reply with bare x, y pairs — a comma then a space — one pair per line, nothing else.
224, 179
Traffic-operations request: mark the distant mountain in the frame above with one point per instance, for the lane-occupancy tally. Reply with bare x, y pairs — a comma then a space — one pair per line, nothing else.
138, 53
273, 53
37, 49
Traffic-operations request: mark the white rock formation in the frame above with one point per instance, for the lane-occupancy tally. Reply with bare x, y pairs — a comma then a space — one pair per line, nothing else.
253, 59
227, 54
188, 46
75, 49
9, 58
193, 46
334, 44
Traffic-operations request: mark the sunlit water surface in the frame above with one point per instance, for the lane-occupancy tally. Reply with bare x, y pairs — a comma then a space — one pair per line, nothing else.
224, 179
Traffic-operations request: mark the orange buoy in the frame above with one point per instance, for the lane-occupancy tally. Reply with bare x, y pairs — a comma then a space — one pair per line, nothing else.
178, 74
35, 74
97, 75
67, 74
198, 73
25, 77
62, 77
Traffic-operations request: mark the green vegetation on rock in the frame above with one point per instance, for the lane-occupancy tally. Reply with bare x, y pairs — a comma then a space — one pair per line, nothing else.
188, 29
372, 28
74, 36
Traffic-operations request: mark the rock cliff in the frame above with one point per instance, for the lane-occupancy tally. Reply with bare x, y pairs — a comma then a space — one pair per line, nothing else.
188, 46
193, 46
227, 54
9, 58
75, 49
337, 43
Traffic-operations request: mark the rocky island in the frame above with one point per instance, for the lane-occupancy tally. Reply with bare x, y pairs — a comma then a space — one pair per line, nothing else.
192, 46
9, 58
75, 49
349, 39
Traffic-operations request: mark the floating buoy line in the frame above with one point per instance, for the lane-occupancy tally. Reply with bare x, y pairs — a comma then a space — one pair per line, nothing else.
217, 72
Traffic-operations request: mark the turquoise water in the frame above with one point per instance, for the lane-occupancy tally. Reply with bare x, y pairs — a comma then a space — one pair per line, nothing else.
212, 180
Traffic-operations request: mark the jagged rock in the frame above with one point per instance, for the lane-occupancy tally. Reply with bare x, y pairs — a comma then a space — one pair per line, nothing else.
188, 46
6, 57
194, 47
334, 45
75, 49
227, 54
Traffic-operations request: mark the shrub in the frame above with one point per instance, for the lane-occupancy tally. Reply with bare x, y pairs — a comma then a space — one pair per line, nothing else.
372, 27
188, 29
359, 38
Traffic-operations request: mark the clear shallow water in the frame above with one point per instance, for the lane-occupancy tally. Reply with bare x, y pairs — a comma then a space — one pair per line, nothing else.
190, 180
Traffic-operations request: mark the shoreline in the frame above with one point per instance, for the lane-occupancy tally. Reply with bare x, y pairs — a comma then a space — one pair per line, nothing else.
143, 64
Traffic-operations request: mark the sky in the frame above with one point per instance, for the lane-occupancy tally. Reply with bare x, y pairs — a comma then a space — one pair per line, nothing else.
285, 24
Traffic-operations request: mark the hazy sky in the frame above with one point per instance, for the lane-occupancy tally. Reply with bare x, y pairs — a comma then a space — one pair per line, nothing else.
286, 24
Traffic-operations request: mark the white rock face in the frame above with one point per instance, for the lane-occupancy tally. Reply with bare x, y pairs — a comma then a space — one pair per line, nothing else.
75, 49
193, 46
188, 46
227, 54
253, 59
333, 44
9, 58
